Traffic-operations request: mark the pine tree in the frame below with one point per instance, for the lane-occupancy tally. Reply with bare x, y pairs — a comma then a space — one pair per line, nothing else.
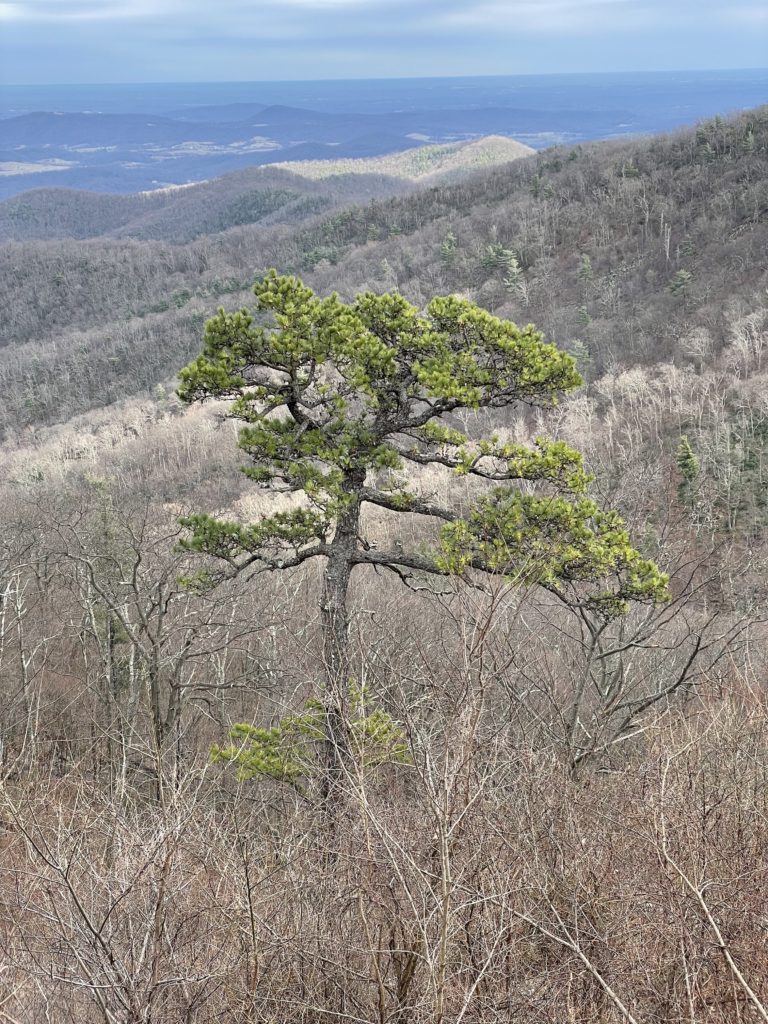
688, 465
680, 282
585, 269
448, 250
335, 397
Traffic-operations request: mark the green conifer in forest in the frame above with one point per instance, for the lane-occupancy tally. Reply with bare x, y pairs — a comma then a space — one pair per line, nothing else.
345, 403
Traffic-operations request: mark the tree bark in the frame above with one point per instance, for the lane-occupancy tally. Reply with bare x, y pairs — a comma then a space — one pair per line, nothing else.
335, 627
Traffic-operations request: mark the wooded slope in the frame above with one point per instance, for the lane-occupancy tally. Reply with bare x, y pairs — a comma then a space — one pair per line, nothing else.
628, 247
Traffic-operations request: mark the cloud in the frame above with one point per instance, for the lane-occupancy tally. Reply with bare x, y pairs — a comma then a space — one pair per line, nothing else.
193, 40
115, 10
83, 10
591, 17
747, 15
322, 5
539, 15
329, 17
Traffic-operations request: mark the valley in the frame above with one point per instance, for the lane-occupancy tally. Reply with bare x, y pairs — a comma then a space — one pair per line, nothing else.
436, 692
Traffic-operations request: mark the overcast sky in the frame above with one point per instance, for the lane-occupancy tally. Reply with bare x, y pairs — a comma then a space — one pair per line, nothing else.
51, 41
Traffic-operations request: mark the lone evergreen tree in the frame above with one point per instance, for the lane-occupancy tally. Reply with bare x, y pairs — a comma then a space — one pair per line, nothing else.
345, 402
688, 465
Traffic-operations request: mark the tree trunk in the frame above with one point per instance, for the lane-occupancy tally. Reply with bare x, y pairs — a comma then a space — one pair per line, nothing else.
335, 627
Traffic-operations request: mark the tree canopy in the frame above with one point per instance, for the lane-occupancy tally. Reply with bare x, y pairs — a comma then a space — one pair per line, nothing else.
335, 396
345, 404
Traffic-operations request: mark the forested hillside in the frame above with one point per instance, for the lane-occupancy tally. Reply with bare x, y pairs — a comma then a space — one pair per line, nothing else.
527, 800
437, 163
184, 212
627, 247
284, 193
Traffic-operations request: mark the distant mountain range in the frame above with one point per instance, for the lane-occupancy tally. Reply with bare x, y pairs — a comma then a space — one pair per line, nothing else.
123, 138
136, 152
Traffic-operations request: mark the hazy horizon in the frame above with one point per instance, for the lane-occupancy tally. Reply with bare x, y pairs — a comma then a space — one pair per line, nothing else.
132, 137
392, 78
110, 41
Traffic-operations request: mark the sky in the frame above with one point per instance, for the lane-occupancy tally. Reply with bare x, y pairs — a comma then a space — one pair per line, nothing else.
81, 41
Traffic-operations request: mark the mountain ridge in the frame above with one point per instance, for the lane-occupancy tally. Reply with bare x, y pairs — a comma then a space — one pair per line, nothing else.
52, 213
627, 247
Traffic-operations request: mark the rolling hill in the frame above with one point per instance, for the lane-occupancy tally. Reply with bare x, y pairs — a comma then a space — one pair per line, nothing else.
280, 193
435, 163
180, 213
